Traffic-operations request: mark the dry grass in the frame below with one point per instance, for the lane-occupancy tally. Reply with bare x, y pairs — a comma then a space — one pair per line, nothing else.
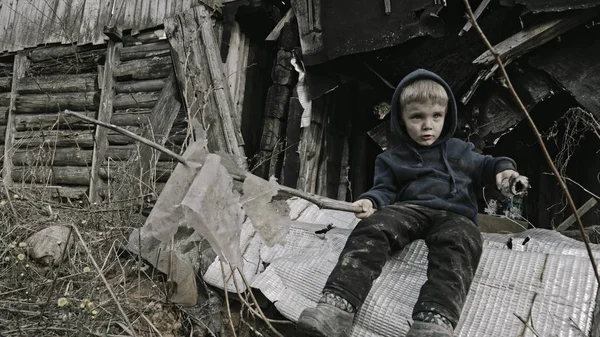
32, 295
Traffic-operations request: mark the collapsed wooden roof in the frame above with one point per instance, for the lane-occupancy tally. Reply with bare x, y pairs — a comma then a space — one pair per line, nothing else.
26, 24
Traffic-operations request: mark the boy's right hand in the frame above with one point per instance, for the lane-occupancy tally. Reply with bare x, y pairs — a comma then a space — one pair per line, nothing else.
367, 207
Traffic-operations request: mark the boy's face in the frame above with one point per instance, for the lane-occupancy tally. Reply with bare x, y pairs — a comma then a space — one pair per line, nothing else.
424, 121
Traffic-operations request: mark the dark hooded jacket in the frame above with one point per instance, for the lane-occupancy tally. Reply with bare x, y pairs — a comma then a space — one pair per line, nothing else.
440, 176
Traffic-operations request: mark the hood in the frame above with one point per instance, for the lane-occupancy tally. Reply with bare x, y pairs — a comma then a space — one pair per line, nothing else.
450, 122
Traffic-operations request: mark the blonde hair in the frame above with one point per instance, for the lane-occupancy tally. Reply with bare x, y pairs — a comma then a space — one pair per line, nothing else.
423, 91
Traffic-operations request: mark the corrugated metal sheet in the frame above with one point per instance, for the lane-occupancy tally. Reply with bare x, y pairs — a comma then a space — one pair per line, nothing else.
545, 279
29, 23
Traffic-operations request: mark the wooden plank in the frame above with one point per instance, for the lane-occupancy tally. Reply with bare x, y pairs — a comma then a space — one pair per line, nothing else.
53, 157
47, 103
24, 122
274, 34
581, 211
135, 100
153, 49
104, 115
140, 86
21, 64
58, 84
5, 83
162, 117
482, 6
130, 117
533, 37
200, 74
495, 224
59, 175
144, 69
236, 69
143, 38
381, 134
54, 138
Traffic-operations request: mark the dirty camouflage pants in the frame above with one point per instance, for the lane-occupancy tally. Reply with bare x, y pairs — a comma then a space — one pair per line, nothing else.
454, 243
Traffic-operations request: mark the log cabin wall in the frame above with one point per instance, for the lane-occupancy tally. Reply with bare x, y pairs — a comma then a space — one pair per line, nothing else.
54, 154
45, 150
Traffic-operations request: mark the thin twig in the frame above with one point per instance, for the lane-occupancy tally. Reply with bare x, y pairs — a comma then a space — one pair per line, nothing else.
527, 325
576, 183
249, 306
262, 314
537, 134
87, 250
227, 299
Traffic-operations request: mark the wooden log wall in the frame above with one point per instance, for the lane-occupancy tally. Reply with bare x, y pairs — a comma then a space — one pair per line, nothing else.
46, 149
273, 143
56, 153
315, 158
142, 73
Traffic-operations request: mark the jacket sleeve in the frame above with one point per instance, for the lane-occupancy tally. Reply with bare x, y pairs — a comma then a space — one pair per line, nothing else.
486, 166
384, 188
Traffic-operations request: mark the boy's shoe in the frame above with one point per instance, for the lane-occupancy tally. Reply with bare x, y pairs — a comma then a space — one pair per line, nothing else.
429, 329
325, 320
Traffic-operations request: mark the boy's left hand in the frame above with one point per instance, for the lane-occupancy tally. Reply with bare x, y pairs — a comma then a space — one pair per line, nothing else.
506, 174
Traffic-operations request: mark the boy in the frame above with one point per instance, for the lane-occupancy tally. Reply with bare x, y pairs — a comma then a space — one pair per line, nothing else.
423, 189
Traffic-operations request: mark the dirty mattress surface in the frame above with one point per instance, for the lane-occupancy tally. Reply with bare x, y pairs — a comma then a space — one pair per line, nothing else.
544, 279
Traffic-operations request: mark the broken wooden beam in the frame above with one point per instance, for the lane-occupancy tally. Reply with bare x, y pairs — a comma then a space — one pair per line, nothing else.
482, 6
200, 74
533, 37
161, 119
274, 35
580, 211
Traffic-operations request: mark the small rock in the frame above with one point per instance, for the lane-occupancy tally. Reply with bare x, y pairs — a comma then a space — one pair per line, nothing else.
43, 245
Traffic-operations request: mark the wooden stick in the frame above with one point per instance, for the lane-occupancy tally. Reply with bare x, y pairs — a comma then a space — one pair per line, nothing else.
581, 211
537, 134
274, 35
129, 134
322, 202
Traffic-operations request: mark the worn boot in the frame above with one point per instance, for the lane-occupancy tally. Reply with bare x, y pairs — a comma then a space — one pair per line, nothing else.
429, 324
332, 317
